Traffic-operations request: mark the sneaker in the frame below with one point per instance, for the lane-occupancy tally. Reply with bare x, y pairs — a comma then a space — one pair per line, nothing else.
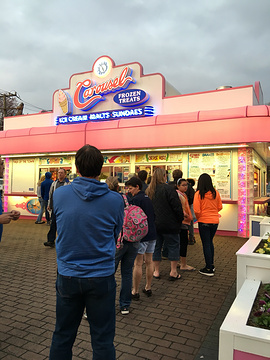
147, 292
124, 310
49, 243
39, 222
135, 297
207, 272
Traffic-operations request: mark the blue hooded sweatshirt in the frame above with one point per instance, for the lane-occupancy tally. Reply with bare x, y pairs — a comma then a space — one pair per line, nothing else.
45, 186
89, 218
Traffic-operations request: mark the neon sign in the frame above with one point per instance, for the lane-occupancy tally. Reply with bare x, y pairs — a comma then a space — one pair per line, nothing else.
88, 94
106, 115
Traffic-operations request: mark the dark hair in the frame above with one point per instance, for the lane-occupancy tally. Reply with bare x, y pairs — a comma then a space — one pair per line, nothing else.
191, 181
142, 175
177, 174
179, 181
205, 184
89, 161
65, 171
134, 181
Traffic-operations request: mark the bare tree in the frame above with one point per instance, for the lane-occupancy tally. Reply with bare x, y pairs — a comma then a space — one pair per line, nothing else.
9, 106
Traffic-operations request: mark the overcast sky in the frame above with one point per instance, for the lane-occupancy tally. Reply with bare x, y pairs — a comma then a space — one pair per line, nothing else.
198, 45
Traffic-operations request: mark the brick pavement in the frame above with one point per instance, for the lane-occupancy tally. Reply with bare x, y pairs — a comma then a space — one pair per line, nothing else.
180, 320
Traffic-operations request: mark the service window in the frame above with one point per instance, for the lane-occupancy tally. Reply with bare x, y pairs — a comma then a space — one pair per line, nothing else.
121, 172
23, 175
257, 189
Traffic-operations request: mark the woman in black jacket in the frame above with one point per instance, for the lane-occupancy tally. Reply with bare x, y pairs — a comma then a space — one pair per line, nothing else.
169, 216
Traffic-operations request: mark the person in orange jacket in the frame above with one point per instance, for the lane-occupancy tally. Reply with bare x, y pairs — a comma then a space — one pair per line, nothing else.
207, 204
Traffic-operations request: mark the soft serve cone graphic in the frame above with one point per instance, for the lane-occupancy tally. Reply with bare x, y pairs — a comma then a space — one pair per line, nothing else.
63, 101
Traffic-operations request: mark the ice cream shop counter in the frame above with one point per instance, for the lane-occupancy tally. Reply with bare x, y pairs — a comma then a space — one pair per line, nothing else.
260, 205
27, 203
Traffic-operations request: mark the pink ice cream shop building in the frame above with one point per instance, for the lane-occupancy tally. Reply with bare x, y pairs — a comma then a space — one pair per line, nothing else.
140, 121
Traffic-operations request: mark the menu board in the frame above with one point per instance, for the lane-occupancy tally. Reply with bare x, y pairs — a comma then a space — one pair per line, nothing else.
217, 165
173, 157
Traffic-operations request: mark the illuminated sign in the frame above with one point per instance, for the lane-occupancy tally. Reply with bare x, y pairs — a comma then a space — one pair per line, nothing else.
106, 115
76, 104
88, 93
131, 97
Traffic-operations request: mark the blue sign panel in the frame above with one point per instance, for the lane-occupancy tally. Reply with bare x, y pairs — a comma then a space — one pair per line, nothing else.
106, 115
131, 97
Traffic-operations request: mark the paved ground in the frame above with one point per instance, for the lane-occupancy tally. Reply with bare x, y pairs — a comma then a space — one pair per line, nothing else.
180, 321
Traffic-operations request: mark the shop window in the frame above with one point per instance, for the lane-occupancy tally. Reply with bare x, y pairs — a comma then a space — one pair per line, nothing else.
121, 172
54, 171
23, 176
256, 182
171, 169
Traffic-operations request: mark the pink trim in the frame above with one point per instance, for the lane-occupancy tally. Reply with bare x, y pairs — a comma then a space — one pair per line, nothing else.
28, 217
22, 194
227, 233
207, 115
259, 110
241, 355
177, 118
191, 129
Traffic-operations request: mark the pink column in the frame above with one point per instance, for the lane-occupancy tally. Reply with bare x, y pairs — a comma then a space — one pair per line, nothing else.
245, 190
6, 177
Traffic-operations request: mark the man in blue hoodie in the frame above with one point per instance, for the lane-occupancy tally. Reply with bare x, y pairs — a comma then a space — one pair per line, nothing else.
45, 189
89, 218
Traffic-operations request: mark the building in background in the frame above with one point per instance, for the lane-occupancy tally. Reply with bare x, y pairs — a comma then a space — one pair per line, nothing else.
142, 122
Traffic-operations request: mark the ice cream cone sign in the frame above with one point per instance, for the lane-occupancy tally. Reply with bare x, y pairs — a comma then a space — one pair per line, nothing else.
65, 102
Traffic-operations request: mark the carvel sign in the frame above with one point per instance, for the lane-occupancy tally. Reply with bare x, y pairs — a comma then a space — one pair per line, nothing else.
88, 93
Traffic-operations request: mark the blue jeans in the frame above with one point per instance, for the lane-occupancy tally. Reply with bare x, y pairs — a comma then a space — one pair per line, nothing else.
170, 242
43, 206
39, 218
127, 255
207, 233
72, 296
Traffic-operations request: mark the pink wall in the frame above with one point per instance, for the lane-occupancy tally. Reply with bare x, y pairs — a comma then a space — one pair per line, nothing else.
240, 355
